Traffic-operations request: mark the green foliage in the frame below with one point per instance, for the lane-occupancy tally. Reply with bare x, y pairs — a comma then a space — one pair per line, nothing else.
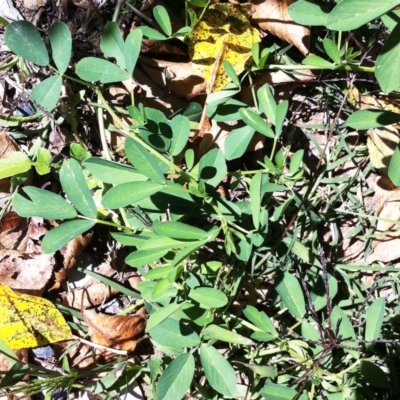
297, 334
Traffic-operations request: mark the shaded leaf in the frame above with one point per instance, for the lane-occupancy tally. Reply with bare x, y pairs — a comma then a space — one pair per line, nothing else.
132, 48
112, 44
162, 314
374, 321
61, 45
373, 374
260, 320
289, 290
212, 167
367, 119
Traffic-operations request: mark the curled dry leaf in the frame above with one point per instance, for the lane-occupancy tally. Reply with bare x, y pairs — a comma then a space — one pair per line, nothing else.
272, 16
386, 245
120, 332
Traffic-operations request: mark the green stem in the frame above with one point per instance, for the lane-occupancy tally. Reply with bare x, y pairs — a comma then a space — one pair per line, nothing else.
296, 67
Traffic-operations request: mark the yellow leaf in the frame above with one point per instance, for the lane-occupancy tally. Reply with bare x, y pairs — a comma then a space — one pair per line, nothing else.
223, 33
29, 321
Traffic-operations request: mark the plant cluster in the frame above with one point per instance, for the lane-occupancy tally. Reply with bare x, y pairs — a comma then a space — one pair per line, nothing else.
246, 296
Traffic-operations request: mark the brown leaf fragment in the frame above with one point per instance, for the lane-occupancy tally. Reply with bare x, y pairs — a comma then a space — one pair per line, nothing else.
119, 332
386, 245
272, 16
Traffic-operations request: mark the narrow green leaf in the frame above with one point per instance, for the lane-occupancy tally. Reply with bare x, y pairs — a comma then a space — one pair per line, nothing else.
394, 167
16, 163
317, 61
387, 67
351, 14
340, 322
267, 102
373, 374
256, 122
218, 333
367, 119
374, 320
74, 184
36, 202
48, 92
255, 198
92, 69
42, 164
151, 34
23, 39
307, 12
230, 71
172, 333
62, 234
159, 243
237, 142
260, 320
212, 167
272, 391
140, 258
112, 172
112, 44
143, 161
180, 126
162, 314
61, 45
178, 230
176, 379
280, 115
129, 193
133, 44
219, 373
162, 18
208, 297
332, 50
300, 251
289, 290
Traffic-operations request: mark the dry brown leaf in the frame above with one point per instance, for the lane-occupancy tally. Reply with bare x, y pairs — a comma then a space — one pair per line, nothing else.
386, 245
272, 16
119, 332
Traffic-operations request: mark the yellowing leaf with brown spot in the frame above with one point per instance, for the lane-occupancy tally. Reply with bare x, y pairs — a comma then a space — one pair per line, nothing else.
223, 33
29, 321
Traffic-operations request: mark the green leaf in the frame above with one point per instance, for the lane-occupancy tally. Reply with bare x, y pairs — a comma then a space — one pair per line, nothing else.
41, 203
318, 293
373, 374
157, 131
267, 102
332, 50
387, 67
351, 14
272, 391
61, 45
75, 186
317, 61
112, 44
78, 152
209, 297
218, 333
42, 164
255, 198
162, 314
394, 167
172, 333
281, 111
289, 290
367, 119
48, 92
307, 12
129, 193
62, 234
341, 323
178, 230
162, 18
310, 332
140, 258
133, 44
374, 320
176, 379
16, 163
237, 142
230, 71
260, 320
144, 162
14, 375
212, 167
151, 33
180, 126
23, 39
256, 122
219, 373
300, 251
92, 69
112, 172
